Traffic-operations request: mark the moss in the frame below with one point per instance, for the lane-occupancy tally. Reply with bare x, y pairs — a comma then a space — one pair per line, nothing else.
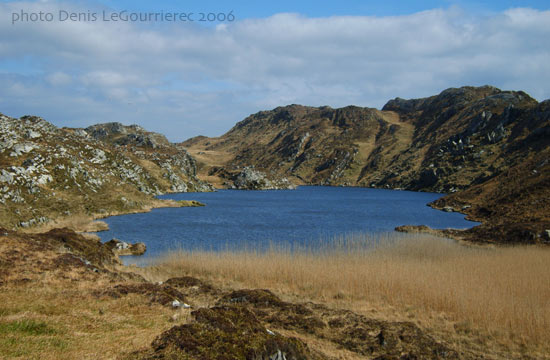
95, 252
160, 294
187, 282
226, 332
27, 327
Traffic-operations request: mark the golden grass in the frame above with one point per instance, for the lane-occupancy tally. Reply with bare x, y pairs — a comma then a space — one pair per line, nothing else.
505, 292
77, 222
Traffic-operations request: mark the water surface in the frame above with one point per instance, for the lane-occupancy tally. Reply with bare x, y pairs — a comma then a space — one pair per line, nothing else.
256, 219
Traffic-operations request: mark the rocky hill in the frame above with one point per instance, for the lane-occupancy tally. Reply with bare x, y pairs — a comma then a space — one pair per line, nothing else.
475, 138
50, 173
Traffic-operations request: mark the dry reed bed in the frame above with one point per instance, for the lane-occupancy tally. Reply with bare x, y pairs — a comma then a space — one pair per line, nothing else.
505, 291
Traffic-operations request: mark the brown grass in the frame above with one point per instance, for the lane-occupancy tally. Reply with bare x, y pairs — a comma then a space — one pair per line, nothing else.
55, 322
51, 310
90, 223
78, 222
503, 292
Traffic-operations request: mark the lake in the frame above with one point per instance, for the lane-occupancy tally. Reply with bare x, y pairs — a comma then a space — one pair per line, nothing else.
235, 219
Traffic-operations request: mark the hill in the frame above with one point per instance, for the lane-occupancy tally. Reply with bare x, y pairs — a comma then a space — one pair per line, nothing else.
49, 173
479, 139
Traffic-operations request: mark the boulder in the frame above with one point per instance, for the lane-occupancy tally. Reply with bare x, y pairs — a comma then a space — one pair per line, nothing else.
123, 248
250, 179
31, 134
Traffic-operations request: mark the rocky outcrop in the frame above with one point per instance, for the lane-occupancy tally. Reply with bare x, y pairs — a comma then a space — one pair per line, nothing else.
514, 206
48, 173
122, 248
250, 179
119, 134
443, 143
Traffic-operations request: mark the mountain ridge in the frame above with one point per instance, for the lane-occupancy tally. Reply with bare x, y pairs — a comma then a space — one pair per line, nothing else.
488, 149
49, 173
448, 143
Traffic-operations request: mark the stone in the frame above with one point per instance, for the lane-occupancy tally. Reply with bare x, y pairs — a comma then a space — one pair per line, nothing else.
123, 248
19, 149
31, 134
178, 304
278, 356
6, 177
44, 179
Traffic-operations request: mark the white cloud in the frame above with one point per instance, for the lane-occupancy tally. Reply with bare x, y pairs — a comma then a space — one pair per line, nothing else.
58, 78
185, 79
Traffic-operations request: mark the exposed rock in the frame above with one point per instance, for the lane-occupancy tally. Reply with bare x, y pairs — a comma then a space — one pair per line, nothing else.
68, 171
122, 248
19, 149
250, 179
31, 134
442, 143
127, 135
413, 228
178, 304
463, 141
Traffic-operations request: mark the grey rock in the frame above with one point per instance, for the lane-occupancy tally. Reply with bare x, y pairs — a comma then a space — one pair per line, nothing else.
278, 356
31, 134
6, 177
251, 179
19, 149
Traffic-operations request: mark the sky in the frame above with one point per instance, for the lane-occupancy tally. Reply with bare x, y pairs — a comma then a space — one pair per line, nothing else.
188, 78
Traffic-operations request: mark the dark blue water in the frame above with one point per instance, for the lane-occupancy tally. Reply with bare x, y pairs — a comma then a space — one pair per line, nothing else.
255, 219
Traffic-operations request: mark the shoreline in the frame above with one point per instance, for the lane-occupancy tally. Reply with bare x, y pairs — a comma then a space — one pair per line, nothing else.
93, 224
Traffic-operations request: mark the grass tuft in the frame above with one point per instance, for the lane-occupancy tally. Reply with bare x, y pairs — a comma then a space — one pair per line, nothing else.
26, 327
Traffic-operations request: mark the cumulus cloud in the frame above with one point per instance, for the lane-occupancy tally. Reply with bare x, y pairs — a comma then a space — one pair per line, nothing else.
186, 79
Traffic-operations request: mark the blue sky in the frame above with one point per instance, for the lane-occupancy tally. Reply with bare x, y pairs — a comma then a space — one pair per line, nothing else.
186, 79
311, 8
